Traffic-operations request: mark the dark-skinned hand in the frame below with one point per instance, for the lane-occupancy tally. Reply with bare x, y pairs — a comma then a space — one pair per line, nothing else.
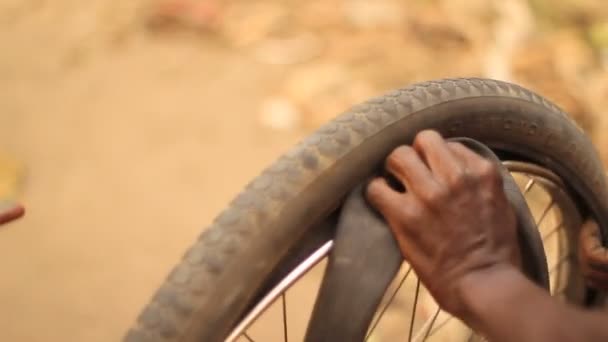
593, 256
454, 219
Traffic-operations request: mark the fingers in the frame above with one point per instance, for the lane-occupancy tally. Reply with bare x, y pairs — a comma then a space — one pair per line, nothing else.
439, 157
593, 257
595, 279
592, 253
10, 211
589, 240
380, 195
394, 206
397, 209
407, 166
468, 156
433, 167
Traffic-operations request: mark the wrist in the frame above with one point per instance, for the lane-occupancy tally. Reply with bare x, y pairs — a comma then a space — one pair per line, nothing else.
493, 296
487, 287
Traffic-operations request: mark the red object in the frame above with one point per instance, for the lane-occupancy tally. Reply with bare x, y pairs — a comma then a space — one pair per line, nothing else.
10, 212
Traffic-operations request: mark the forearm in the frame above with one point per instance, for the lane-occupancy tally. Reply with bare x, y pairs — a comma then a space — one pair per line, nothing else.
505, 306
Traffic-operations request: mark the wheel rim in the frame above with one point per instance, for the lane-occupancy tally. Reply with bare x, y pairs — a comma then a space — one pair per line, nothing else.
558, 229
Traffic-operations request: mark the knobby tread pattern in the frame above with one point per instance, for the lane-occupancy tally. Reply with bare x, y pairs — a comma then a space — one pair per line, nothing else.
177, 305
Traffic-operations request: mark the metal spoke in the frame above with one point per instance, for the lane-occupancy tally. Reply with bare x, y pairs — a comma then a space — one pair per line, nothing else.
545, 212
428, 331
559, 263
562, 255
284, 301
388, 303
246, 336
270, 298
413, 316
552, 231
441, 325
529, 185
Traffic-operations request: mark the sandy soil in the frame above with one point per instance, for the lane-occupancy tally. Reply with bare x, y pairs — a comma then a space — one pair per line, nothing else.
129, 154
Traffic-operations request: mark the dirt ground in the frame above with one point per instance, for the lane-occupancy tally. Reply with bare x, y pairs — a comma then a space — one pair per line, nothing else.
131, 142
128, 157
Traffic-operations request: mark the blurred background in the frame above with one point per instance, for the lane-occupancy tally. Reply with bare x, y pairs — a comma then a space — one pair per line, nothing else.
125, 126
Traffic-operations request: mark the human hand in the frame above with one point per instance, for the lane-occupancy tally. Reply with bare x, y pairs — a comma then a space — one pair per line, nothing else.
453, 221
593, 256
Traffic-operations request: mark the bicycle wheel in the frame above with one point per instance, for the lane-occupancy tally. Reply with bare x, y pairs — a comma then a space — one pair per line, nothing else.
557, 218
266, 230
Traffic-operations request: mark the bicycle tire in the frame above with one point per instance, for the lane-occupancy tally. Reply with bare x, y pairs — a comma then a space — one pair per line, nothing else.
208, 290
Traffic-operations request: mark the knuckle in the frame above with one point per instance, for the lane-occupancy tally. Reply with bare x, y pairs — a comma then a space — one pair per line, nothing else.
435, 196
488, 171
399, 156
455, 145
411, 208
410, 213
458, 180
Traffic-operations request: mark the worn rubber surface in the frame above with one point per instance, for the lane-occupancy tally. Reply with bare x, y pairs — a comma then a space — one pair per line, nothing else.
207, 291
